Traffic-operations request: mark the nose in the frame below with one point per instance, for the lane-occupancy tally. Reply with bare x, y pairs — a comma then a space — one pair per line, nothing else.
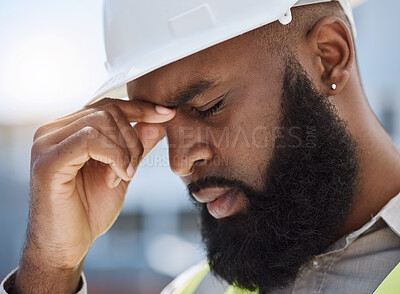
188, 147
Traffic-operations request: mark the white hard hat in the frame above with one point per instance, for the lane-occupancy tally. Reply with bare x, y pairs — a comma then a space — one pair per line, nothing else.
144, 35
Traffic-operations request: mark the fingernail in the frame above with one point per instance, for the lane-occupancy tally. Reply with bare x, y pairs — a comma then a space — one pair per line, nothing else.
116, 183
163, 110
130, 171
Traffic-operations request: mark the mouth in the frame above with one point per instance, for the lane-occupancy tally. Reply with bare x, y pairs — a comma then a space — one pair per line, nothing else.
221, 202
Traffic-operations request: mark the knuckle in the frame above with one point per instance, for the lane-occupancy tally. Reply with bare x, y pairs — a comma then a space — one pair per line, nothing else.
115, 112
86, 137
105, 116
113, 108
40, 132
36, 147
40, 147
89, 132
91, 138
89, 111
39, 164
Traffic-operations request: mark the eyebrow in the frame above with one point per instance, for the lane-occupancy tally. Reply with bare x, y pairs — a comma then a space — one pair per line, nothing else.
190, 92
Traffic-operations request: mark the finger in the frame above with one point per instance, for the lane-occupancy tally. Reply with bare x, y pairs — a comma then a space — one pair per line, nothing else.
149, 135
134, 111
111, 179
133, 143
140, 111
101, 120
68, 156
61, 122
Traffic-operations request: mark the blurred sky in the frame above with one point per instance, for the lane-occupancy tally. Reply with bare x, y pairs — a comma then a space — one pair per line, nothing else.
51, 57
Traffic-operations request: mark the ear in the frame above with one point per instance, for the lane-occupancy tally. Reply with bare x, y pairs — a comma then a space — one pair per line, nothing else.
332, 45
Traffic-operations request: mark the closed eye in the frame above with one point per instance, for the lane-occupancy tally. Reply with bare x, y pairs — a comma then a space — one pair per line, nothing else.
210, 111
203, 114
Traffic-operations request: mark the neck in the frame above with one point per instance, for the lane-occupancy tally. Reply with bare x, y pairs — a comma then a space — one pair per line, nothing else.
379, 173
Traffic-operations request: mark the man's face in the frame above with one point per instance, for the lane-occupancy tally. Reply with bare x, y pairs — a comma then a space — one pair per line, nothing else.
274, 164
236, 140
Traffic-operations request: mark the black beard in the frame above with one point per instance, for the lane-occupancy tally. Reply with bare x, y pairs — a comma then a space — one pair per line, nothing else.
309, 190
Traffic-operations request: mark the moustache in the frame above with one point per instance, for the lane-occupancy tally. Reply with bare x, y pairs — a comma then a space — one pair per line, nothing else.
219, 182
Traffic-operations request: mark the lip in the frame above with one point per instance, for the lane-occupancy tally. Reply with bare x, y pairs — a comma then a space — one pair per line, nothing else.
221, 202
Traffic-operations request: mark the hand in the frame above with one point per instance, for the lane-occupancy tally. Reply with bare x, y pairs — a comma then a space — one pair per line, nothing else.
80, 170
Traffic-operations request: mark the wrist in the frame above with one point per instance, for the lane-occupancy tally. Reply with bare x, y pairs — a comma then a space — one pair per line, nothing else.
38, 274
54, 254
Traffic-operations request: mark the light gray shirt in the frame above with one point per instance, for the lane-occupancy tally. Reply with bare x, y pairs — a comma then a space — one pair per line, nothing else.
356, 263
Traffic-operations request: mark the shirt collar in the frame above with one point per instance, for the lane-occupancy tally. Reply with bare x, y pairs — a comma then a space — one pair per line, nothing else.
390, 213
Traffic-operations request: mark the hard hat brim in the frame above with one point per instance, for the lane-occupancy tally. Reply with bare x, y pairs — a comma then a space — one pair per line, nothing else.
115, 85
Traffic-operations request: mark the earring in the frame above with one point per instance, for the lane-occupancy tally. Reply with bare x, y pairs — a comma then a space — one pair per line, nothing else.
334, 86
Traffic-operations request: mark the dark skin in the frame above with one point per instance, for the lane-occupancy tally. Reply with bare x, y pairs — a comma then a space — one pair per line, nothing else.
328, 56
55, 251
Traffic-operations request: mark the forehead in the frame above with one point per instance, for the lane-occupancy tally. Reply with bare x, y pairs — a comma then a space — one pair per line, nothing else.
221, 63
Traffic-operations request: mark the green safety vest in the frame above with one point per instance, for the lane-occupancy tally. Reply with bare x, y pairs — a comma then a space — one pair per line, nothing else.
390, 285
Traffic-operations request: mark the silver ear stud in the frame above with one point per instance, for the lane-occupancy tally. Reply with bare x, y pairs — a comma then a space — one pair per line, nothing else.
334, 86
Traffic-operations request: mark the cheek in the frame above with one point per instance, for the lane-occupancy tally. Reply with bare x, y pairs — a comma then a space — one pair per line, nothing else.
246, 141
249, 154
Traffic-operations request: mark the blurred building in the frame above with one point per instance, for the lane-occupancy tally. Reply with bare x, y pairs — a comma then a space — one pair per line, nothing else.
378, 44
